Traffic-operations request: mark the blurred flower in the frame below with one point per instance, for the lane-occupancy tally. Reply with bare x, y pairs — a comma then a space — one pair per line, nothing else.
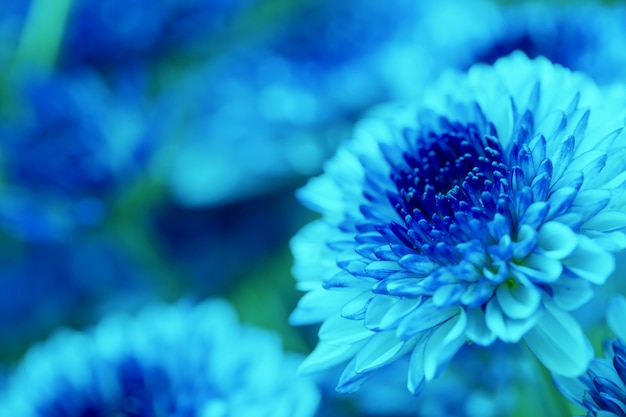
277, 106
481, 383
487, 211
207, 243
181, 360
585, 36
121, 32
602, 389
46, 285
73, 146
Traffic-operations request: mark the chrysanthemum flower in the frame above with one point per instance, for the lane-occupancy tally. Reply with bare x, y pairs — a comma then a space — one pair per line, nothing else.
585, 36
119, 32
68, 151
602, 389
487, 211
180, 360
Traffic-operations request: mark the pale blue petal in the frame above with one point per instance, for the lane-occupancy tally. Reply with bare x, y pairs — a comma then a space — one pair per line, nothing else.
606, 221
571, 293
559, 343
526, 241
507, 329
325, 356
443, 344
341, 331
398, 311
538, 268
590, 261
519, 302
572, 388
589, 202
416, 378
477, 330
350, 381
377, 309
379, 350
423, 318
317, 305
565, 155
355, 308
556, 240
535, 214
382, 269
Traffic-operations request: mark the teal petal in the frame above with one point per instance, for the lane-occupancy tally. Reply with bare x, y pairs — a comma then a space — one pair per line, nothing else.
559, 343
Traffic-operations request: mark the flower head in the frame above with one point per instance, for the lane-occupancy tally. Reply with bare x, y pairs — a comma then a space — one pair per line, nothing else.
487, 211
602, 389
72, 147
181, 360
45, 285
116, 33
585, 36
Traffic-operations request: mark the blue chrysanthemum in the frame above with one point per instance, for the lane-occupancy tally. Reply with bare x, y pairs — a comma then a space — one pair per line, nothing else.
584, 36
45, 285
180, 360
68, 151
602, 389
487, 211
119, 32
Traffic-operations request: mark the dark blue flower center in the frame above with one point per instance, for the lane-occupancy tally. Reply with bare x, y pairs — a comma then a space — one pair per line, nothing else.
452, 180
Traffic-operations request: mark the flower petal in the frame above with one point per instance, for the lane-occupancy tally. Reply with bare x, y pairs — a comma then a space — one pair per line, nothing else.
538, 268
571, 293
590, 262
559, 343
326, 355
341, 331
477, 330
518, 302
379, 350
556, 240
441, 346
425, 317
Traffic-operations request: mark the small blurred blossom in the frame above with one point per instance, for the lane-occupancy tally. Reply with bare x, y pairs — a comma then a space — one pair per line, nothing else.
486, 211
208, 243
180, 360
115, 33
480, 383
70, 149
585, 36
602, 389
47, 285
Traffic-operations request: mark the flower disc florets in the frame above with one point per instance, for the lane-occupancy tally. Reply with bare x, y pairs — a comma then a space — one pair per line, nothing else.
488, 211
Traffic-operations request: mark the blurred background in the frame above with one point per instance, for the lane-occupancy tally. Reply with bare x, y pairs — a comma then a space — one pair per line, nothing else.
149, 150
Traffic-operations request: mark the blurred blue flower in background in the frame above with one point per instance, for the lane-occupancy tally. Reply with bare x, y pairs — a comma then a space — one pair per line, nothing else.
286, 98
75, 145
602, 389
584, 36
70, 284
481, 383
115, 33
179, 360
487, 211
